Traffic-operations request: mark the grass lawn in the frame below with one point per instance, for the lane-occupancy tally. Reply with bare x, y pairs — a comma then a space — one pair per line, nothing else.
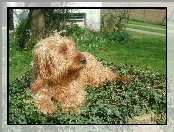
144, 51
19, 61
146, 29
147, 24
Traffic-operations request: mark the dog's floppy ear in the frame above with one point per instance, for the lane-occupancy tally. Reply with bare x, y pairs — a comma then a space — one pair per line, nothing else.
41, 65
45, 67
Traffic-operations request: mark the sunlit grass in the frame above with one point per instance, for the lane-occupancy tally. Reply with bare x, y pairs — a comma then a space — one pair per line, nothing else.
147, 24
146, 29
143, 51
19, 61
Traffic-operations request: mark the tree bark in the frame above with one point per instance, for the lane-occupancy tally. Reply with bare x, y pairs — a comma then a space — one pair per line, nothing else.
34, 27
39, 26
36, 24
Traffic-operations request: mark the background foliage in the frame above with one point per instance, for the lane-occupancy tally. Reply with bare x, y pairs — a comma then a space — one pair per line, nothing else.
40, 23
116, 19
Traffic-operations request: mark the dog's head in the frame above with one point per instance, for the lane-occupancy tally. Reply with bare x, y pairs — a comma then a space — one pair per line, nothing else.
56, 57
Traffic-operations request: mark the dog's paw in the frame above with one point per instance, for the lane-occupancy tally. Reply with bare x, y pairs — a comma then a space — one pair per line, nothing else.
46, 108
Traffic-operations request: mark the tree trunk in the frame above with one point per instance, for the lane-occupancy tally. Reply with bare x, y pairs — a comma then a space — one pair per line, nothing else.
36, 24
35, 27
11, 24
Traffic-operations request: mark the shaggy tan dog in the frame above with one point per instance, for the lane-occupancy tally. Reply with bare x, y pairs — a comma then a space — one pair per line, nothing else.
60, 72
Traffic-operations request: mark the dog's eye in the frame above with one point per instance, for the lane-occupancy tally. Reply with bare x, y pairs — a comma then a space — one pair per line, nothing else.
63, 51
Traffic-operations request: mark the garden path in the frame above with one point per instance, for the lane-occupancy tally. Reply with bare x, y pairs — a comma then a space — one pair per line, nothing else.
146, 32
146, 26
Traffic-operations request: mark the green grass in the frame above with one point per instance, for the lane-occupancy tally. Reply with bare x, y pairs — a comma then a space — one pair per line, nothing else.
146, 29
144, 51
19, 61
147, 24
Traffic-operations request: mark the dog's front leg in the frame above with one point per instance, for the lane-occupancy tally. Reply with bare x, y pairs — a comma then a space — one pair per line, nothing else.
42, 100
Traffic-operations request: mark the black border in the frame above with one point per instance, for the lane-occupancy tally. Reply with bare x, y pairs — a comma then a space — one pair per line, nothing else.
76, 8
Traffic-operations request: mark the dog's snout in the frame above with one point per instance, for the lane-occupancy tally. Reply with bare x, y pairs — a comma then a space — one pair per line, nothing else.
83, 60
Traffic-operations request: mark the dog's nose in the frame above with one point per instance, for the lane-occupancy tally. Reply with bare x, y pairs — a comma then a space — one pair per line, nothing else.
83, 60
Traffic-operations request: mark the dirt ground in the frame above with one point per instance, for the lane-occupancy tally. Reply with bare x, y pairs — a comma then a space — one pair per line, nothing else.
149, 15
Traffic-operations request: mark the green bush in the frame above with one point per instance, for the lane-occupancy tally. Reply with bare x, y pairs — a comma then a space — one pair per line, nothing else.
115, 19
87, 39
114, 102
18, 39
20, 31
117, 37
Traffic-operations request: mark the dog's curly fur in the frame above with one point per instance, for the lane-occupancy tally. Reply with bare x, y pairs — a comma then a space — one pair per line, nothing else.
60, 72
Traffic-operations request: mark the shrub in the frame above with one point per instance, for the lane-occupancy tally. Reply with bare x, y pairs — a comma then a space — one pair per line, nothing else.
115, 19
114, 102
20, 30
117, 37
87, 39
